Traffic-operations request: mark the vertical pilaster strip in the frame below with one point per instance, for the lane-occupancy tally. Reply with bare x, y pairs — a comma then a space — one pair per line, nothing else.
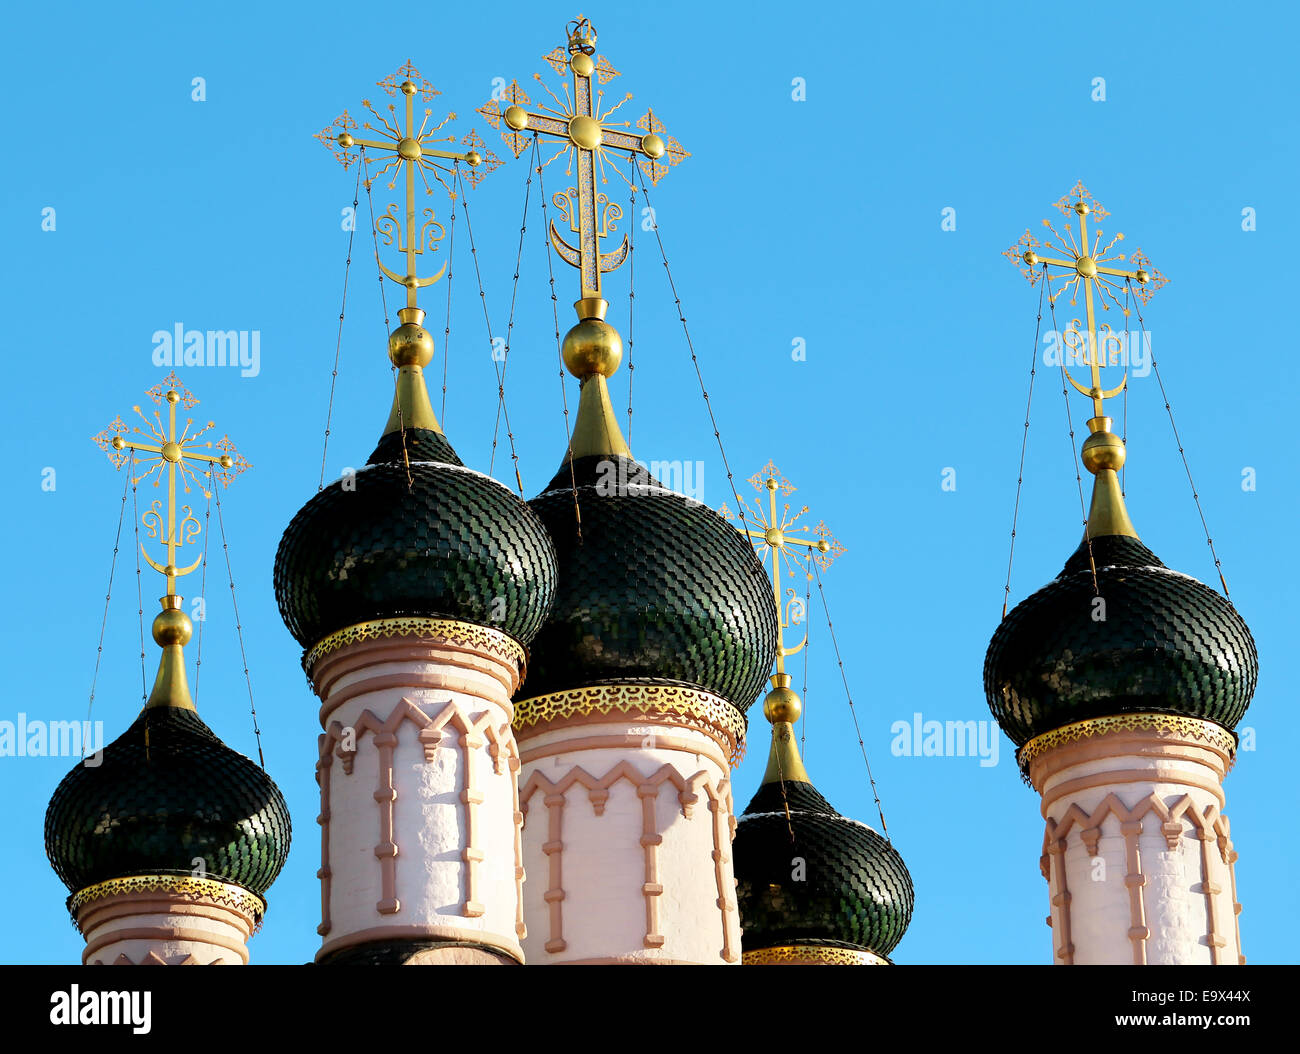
650, 842
1059, 886
1230, 859
1134, 881
323, 766
521, 930
554, 895
386, 850
717, 808
1210, 888
472, 796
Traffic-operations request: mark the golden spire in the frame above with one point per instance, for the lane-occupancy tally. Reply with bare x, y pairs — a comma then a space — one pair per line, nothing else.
593, 348
1089, 265
169, 453
781, 537
406, 148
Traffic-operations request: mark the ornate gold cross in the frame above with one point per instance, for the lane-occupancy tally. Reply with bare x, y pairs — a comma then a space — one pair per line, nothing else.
584, 130
782, 539
415, 151
171, 454
1090, 265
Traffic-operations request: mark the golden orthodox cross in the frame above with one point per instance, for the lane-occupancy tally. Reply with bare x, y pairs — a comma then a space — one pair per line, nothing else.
1088, 265
415, 151
782, 539
584, 129
171, 456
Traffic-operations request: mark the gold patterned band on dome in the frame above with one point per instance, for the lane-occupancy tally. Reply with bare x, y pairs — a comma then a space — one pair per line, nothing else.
1213, 735
457, 634
811, 955
668, 700
189, 886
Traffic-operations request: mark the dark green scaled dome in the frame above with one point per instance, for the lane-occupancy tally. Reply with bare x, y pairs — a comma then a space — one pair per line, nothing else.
168, 791
658, 587
851, 891
445, 542
1168, 644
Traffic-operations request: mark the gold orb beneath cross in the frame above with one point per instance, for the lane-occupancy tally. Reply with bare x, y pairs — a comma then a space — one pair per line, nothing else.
410, 345
1103, 450
172, 626
782, 704
592, 346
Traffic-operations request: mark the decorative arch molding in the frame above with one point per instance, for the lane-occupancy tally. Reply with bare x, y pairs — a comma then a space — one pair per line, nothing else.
688, 789
1211, 829
433, 729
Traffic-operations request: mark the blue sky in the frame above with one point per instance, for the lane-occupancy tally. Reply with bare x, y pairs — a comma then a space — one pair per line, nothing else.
817, 220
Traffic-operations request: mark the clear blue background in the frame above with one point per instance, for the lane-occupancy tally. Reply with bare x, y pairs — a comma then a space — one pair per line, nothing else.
818, 220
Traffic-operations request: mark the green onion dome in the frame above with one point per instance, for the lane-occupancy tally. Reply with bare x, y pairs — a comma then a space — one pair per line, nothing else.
1145, 639
814, 878
166, 793
653, 587
414, 533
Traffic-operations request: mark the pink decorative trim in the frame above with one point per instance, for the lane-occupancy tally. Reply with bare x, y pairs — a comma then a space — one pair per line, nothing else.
417, 932
1155, 774
396, 643
154, 959
432, 680
89, 919
164, 933
628, 741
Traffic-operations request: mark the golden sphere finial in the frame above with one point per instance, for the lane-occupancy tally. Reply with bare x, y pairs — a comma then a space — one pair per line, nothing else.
118, 443
172, 626
592, 347
653, 145
782, 704
410, 344
473, 159
408, 88
1102, 450
345, 140
516, 117
1081, 207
